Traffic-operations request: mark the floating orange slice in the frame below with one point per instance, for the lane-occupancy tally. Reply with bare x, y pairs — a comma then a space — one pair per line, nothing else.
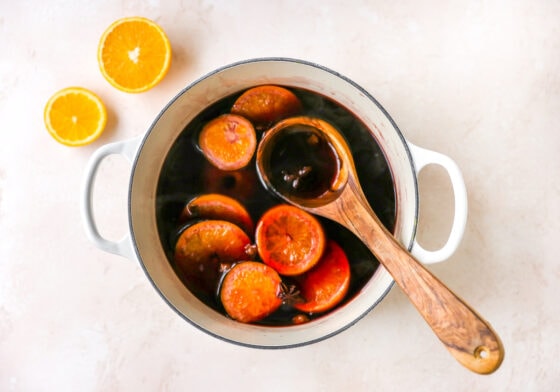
75, 116
134, 54
326, 284
228, 141
205, 249
264, 105
239, 184
251, 291
289, 239
216, 206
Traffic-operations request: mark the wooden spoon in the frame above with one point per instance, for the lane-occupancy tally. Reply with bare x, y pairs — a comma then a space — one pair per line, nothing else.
467, 336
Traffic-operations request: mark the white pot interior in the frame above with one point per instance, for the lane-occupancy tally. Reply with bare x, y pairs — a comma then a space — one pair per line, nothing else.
171, 123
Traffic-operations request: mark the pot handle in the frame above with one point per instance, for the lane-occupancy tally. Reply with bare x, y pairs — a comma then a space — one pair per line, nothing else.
128, 149
422, 158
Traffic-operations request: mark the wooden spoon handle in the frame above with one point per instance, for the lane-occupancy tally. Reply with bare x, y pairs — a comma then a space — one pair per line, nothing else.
467, 336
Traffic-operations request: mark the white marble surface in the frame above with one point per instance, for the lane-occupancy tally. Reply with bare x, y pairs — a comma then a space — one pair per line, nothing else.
476, 80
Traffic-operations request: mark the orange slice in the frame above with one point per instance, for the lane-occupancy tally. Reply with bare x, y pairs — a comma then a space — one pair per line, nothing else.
289, 239
239, 184
251, 291
75, 116
228, 142
265, 105
205, 249
326, 284
134, 54
216, 206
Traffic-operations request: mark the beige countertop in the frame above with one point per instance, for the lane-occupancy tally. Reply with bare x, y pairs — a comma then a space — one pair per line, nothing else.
478, 81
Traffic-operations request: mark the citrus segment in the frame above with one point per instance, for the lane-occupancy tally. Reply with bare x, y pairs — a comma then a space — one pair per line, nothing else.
264, 105
134, 54
216, 206
240, 184
251, 291
205, 249
289, 239
75, 116
326, 284
228, 142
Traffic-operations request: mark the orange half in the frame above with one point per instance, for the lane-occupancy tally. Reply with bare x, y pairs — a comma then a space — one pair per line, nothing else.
251, 291
228, 142
289, 239
326, 284
134, 54
75, 116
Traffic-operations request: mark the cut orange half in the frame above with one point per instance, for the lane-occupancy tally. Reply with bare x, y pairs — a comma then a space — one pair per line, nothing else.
134, 54
326, 284
207, 248
251, 291
75, 116
216, 206
265, 105
228, 142
289, 239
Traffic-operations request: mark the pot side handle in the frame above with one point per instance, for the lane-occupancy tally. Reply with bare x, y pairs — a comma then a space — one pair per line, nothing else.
422, 158
128, 149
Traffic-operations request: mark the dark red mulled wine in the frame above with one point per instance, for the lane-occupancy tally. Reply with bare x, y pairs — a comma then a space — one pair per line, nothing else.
186, 174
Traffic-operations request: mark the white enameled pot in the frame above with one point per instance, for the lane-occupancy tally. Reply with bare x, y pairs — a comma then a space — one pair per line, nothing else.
148, 152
